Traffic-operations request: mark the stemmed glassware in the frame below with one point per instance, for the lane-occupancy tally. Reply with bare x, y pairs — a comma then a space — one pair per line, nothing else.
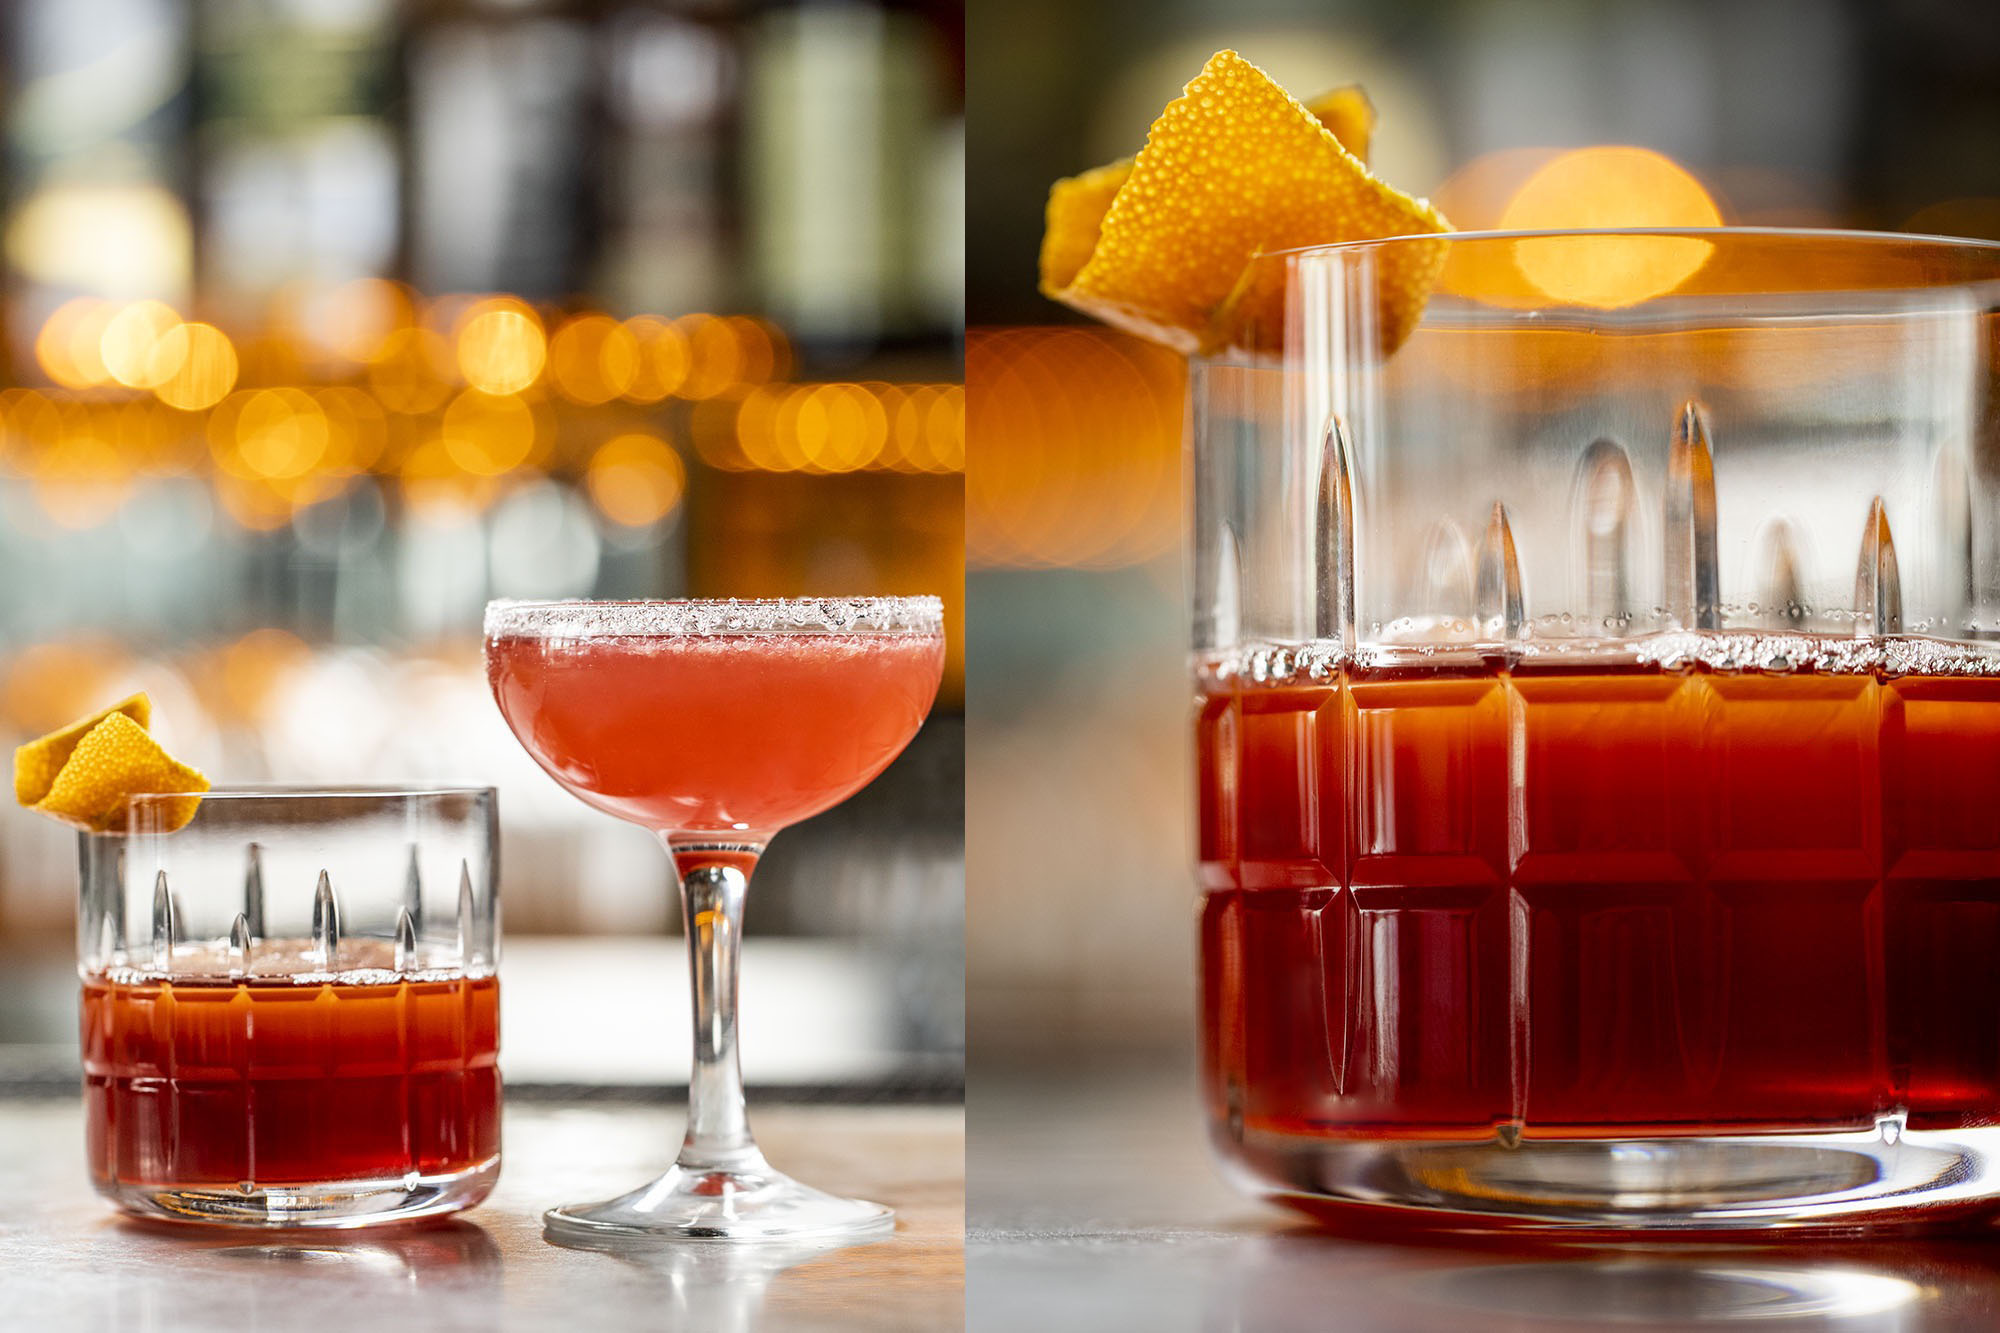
715, 724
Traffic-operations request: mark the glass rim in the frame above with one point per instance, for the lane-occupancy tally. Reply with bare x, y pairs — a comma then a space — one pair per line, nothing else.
1841, 234
576, 618
349, 791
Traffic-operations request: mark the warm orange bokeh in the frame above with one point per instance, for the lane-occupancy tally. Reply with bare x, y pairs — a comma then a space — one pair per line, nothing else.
1077, 448
1603, 186
461, 400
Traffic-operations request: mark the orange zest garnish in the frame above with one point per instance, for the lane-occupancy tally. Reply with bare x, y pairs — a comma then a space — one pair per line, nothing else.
1234, 168
37, 763
84, 773
1077, 204
1348, 116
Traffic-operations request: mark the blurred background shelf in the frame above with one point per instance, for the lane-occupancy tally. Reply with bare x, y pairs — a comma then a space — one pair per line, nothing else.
325, 321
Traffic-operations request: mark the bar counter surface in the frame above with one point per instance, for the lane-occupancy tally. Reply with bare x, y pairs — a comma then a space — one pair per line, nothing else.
1095, 1207
67, 1261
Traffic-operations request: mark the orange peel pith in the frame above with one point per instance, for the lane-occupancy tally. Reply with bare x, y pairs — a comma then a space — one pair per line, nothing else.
1233, 168
98, 764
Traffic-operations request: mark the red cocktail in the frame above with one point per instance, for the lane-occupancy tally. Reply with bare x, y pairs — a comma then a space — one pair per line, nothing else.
288, 1080
1600, 903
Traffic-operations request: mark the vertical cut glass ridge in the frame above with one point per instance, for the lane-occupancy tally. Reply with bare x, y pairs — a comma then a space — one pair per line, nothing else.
1693, 583
406, 941
253, 890
1228, 619
1878, 587
1780, 585
239, 946
469, 951
166, 931
1956, 587
1447, 577
1602, 517
1500, 602
326, 925
413, 892
1333, 540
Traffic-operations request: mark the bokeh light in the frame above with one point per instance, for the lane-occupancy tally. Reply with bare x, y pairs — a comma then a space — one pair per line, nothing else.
205, 369
355, 319
80, 480
358, 377
1610, 186
487, 434
68, 346
663, 360
714, 356
270, 435
408, 373
501, 347
1078, 462
636, 480
135, 348
593, 359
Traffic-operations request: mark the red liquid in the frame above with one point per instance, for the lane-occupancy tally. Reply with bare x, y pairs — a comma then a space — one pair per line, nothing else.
741, 733
1599, 902
273, 1082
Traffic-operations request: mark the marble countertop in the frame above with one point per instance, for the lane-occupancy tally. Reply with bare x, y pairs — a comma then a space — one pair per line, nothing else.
1094, 1207
67, 1262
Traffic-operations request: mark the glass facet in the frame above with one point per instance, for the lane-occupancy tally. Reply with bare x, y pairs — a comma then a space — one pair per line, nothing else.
1598, 710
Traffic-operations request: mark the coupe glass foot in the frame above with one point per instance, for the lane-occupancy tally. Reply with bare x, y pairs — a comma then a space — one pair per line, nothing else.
684, 1204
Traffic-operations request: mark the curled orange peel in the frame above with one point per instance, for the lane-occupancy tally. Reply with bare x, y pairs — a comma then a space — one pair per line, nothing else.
1162, 244
85, 773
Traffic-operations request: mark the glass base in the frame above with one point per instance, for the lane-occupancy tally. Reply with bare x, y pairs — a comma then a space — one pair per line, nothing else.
347, 1203
754, 1204
1881, 1179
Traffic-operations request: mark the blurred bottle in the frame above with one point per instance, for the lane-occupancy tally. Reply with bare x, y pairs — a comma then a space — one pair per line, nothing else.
502, 129
97, 114
296, 162
843, 115
669, 216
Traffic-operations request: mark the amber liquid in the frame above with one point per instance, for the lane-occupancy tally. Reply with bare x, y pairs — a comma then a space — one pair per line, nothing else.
1599, 902
275, 1081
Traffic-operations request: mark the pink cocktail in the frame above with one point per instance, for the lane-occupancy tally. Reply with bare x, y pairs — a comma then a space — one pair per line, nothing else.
716, 724
742, 734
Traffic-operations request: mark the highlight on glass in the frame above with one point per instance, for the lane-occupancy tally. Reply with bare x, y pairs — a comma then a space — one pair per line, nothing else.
1597, 700
715, 724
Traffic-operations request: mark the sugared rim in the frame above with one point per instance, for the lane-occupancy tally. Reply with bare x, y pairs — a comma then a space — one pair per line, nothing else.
582, 619
1697, 233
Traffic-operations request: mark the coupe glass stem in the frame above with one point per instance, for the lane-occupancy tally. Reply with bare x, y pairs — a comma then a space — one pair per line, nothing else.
718, 1130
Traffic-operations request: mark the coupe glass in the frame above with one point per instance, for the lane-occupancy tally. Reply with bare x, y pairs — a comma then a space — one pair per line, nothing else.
715, 724
1599, 731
